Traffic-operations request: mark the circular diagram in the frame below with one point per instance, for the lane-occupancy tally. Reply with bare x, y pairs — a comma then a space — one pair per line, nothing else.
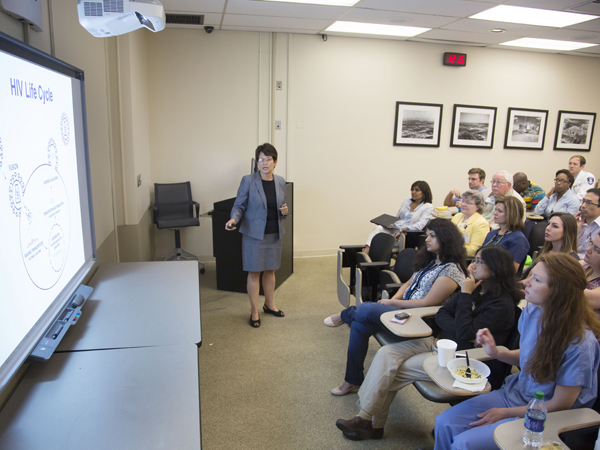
65, 129
44, 226
15, 193
52, 153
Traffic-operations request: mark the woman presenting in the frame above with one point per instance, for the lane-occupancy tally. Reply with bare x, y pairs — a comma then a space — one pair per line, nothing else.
261, 201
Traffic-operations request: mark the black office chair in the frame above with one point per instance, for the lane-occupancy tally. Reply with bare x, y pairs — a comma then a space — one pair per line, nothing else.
536, 237
499, 371
174, 208
391, 280
351, 256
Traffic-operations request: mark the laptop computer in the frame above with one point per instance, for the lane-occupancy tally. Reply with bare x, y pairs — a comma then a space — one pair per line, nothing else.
385, 220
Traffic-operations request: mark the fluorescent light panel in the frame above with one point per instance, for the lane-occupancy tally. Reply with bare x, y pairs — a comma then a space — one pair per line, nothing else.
375, 28
319, 2
532, 16
547, 44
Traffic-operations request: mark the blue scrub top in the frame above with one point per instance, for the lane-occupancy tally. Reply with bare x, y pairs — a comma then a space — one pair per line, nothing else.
578, 367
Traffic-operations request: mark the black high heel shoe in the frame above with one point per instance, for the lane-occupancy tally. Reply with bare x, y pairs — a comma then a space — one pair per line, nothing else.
275, 313
254, 323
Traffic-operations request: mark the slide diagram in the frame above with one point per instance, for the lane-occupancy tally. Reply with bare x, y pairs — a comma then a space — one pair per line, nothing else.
40, 202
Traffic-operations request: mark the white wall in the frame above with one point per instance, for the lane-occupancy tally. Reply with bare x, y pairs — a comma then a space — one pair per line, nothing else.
338, 111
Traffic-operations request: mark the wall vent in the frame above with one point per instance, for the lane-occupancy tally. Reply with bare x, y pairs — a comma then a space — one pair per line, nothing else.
185, 19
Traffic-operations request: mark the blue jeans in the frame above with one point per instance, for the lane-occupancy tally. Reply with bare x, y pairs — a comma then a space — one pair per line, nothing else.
364, 322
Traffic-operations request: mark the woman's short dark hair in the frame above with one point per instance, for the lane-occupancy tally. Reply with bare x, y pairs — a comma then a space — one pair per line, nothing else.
267, 149
569, 175
503, 279
425, 189
451, 242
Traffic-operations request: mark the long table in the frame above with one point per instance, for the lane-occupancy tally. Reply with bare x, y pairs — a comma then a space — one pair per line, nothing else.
127, 378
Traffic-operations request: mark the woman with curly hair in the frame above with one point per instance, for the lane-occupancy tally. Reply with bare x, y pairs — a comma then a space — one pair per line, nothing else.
440, 267
559, 355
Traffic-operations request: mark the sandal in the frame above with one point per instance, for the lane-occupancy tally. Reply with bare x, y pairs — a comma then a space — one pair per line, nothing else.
254, 323
275, 313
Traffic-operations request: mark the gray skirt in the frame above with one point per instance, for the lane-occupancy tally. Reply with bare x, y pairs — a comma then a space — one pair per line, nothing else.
258, 255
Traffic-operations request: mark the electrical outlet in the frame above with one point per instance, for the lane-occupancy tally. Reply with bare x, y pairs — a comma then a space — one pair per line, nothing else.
279, 85
278, 124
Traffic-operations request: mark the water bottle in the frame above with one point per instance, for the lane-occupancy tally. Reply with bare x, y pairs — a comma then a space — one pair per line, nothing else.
535, 419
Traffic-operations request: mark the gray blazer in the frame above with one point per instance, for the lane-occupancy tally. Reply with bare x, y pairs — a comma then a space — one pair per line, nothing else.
251, 203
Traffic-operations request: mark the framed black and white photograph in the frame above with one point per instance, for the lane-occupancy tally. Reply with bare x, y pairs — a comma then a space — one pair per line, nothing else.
473, 126
526, 128
574, 131
418, 124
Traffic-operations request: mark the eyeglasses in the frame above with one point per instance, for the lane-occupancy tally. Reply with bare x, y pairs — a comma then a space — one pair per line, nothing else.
465, 202
590, 244
265, 159
498, 182
478, 261
556, 180
589, 203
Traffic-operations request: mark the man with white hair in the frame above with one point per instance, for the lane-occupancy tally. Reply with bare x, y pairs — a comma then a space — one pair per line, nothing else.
501, 187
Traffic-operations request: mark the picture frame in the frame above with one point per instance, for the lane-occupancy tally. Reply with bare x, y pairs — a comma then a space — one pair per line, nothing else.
574, 131
526, 128
418, 124
473, 126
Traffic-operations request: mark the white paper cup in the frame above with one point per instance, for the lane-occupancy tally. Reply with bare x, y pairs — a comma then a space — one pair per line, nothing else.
446, 349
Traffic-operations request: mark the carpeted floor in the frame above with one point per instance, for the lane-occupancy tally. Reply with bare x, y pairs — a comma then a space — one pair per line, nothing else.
268, 388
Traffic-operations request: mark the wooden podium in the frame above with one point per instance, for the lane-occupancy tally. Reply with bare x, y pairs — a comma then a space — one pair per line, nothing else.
227, 247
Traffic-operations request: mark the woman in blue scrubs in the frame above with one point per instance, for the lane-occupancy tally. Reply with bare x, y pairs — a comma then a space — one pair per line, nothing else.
559, 355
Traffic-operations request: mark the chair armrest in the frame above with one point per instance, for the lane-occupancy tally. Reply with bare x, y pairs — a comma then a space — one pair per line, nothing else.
387, 287
373, 265
362, 257
352, 247
197, 207
478, 353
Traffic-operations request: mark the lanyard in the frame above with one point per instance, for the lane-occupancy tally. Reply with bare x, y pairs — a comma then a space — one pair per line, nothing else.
415, 285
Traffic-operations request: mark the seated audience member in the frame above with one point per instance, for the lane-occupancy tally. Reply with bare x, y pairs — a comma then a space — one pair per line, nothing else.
439, 269
414, 213
508, 215
501, 187
560, 237
583, 181
592, 261
531, 193
476, 182
560, 198
558, 355
588, 220
470, 223
487, 300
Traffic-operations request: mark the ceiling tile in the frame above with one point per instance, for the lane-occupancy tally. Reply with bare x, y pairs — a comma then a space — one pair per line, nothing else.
463, 36
275, 22
484, 26
452, 8
397, 18
259, 8
571, 35
194, 6
558, 5
592, 25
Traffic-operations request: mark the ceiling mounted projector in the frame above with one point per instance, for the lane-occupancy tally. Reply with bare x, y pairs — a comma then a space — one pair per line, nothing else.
105, 18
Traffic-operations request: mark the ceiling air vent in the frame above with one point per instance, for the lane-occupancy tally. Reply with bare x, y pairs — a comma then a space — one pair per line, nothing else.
185, 19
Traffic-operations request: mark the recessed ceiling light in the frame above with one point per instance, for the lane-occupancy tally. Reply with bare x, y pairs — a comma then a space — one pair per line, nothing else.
497, 30
375, 28
532, 16
319, 2
547, 44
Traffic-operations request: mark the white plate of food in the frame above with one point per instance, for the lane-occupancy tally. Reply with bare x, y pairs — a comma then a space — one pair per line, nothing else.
479, 371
